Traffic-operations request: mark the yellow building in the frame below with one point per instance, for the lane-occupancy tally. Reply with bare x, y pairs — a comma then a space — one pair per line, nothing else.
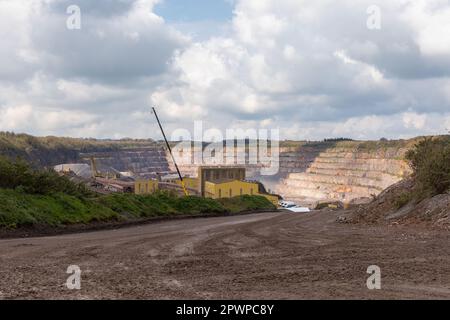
233, 188
190, 183
218, 174
230, 188
145, 186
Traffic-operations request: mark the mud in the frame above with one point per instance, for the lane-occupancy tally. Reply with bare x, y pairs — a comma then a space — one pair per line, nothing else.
263, 256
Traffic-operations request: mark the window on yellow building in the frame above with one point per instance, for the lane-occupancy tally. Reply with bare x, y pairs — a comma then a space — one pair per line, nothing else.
231, 193
251, 191
241, 191
220, 193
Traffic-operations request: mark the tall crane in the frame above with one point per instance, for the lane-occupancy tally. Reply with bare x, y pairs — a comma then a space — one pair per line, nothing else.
186, 193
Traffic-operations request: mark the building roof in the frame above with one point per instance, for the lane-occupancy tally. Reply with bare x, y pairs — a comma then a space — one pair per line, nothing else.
222, 181
222, 167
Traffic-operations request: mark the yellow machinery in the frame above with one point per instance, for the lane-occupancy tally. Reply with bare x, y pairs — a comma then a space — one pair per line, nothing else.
186, 193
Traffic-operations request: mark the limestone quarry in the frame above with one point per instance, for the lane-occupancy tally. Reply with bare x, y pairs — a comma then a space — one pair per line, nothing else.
346, 171
340, 174
308, 172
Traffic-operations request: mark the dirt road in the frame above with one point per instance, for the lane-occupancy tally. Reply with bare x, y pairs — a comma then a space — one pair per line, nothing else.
271, 255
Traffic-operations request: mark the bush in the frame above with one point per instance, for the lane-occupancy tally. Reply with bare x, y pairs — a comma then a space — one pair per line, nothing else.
402, 200
430, 161
246, 203
21, 176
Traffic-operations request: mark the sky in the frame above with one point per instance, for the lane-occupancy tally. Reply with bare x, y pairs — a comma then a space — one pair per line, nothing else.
312, 69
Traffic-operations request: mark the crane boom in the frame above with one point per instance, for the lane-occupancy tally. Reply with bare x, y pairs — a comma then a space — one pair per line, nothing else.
171, 154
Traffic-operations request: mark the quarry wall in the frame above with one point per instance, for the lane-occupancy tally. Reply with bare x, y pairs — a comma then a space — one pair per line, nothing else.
309, 172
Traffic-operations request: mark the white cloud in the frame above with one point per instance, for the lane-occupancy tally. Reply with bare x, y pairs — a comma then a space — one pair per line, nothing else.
414, 120
15, 118
300, 61
311, 68
430, 20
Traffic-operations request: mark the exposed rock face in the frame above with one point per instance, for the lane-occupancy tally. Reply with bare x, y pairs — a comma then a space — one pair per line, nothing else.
315, 172
308, 172
143, 161
145, 156
343, 174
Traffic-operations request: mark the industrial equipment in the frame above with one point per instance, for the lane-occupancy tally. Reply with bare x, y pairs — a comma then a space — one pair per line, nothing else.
170, 151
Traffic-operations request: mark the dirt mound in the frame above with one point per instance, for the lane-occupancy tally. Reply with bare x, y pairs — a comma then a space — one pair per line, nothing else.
393, 207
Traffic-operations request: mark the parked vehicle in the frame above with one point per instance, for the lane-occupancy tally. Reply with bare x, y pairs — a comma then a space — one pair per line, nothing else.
298, 209
291, 206
285, 204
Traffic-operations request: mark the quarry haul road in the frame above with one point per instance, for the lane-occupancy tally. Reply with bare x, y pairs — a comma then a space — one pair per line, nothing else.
260, 256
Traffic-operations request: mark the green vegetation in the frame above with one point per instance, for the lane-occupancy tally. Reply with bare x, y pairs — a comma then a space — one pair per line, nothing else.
49, 151
18, 209
246, 203
372, 147
33, 197
430, 161
337, 139
21, 176
159, 204
403, 199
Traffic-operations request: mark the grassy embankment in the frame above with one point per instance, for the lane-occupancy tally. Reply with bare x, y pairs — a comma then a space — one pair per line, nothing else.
30, 197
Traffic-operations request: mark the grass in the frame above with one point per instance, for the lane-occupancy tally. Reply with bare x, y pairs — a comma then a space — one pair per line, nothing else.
19, 209
30, 197
246, 203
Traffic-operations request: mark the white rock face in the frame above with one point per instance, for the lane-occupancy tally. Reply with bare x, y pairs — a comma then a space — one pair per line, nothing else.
344, 175
322, 172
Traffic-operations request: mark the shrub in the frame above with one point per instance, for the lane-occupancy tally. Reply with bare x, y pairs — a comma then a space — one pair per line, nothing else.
402, 200
21, 176
430, 161
246, 203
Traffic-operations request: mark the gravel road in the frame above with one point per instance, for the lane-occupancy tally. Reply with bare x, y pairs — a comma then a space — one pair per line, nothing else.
260, 256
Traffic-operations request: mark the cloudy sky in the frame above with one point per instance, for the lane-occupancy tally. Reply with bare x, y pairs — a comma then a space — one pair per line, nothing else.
313, 69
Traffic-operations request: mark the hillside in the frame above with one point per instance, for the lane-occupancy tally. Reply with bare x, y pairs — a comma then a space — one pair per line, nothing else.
39, 198
423, 198
309, 172
50, 151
